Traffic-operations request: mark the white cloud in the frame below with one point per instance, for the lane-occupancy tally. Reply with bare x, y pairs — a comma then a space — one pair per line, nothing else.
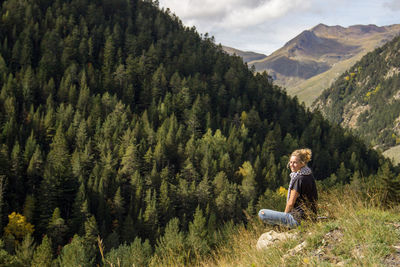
231, 14
266, 25
266, 10
392, 5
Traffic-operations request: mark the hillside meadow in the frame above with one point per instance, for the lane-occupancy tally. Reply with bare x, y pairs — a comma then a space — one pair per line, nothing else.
358, 231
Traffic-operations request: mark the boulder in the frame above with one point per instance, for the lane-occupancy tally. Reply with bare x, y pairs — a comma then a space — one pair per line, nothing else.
271, 237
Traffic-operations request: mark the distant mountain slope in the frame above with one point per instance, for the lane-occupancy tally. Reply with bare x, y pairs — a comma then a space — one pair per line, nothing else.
246, 55
310, 62
367, 97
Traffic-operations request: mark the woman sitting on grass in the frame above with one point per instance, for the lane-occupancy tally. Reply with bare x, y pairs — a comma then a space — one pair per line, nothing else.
302, 193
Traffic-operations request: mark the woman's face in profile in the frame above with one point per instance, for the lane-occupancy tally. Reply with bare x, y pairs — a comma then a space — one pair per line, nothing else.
294, 164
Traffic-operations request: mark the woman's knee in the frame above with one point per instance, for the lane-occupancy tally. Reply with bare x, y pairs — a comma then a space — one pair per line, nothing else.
262, 214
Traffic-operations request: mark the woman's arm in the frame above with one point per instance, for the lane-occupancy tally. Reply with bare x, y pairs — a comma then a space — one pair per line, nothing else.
292, 199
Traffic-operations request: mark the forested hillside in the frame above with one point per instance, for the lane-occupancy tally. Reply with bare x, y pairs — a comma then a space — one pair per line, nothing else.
366, 98
119, 122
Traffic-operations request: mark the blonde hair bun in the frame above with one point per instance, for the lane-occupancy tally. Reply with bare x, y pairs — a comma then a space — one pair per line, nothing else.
304, 154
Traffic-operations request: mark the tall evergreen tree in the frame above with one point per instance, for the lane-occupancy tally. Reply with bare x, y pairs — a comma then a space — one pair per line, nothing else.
197, 236
75, 254
57, 187
43, 255
172, 243
24, 251
57, 229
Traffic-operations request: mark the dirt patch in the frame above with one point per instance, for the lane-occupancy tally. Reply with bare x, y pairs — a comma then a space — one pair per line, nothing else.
329, 242
332, 238
323, 252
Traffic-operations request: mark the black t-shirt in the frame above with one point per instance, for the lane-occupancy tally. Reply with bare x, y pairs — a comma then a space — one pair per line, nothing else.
305, 205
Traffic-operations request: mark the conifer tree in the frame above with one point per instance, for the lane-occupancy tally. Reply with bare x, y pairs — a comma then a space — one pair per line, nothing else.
80, 211
24, 251
108, 63
388, 185
7, 259
248, 187
43, 255
129, 164
29, 208
118, 205
203, 191
164, 202
197, 236
57, 187
112, 241
2, 193
28, 87
227, 201
75, 254
137, 253
57, 229
17, 172
172, 243
342, 174
128, 229
90, 238
150, 216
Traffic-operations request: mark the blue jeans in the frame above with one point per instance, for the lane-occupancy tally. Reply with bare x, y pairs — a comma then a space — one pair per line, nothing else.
275, 217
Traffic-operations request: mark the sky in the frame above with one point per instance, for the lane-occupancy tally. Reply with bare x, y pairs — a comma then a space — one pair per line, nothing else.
264, 26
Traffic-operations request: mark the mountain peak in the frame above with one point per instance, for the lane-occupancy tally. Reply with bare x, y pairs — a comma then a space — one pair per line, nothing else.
322, 26
308, 44
324, 30
303, 39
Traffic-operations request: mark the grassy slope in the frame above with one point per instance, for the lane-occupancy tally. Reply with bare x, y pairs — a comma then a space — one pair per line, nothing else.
357, 234
312, 88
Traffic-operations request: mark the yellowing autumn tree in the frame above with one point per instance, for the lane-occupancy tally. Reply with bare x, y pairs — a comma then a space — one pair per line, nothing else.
18, 226
248, 186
